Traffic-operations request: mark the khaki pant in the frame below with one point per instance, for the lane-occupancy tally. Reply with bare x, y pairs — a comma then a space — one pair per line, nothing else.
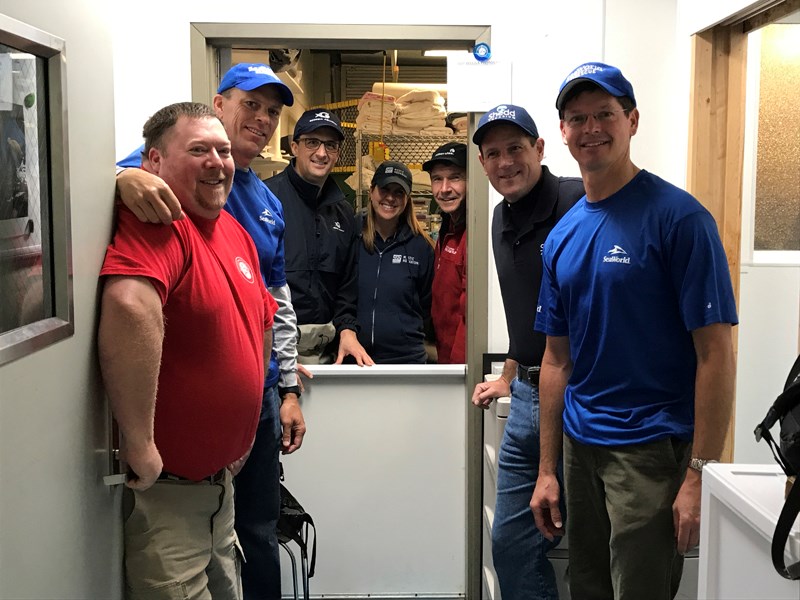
180, 543
313, 342
619, 524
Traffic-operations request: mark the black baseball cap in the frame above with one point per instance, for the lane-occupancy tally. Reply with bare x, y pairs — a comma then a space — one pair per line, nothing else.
393, 172
313, 119
453, 152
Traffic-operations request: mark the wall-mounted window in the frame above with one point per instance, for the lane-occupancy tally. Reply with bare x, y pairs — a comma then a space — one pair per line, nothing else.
35, 255
771, 207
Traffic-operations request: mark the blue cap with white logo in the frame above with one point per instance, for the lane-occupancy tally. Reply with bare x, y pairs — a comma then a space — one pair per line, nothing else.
249, 76
505, 113
606, 77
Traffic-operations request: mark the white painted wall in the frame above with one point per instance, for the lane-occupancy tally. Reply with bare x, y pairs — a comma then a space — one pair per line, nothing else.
59, 526
769, 315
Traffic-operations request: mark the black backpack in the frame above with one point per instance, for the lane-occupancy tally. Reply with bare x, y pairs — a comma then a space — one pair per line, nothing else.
293, 524
786, 409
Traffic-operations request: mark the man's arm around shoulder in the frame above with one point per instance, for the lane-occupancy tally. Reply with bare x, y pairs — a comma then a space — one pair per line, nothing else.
148, 197
130, 339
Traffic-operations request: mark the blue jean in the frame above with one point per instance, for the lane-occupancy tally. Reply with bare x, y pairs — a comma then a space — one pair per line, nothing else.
519, 550
258, 505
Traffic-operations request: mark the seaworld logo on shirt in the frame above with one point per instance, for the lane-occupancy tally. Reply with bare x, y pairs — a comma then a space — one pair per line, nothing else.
266, 217
615, 257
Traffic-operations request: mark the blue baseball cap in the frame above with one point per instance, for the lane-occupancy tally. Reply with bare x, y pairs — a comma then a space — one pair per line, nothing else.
602, 75
505, 113
249, 76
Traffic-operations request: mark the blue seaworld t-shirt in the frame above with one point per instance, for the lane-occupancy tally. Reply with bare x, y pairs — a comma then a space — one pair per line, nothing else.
628, 279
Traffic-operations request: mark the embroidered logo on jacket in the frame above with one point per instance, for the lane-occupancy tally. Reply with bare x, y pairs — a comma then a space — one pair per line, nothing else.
245, 269
616, 257
337, 226
400, 258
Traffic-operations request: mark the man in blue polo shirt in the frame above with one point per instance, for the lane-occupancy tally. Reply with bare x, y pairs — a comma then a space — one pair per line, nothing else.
638, 371
249, 101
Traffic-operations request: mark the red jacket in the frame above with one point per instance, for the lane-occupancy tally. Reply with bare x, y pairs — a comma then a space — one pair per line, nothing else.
449, 305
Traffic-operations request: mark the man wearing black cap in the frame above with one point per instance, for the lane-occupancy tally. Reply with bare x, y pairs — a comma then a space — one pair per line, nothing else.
249, 102
321, 239
448, 169
511, 153
638, 374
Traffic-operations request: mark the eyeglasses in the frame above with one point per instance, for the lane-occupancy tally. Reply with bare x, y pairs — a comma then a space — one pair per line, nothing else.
600, 117
331, 146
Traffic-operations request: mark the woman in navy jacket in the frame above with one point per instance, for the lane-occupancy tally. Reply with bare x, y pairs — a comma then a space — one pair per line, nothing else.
395, 271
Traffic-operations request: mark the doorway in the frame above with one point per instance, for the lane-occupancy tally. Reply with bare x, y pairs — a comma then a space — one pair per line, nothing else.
212, 45
728, 169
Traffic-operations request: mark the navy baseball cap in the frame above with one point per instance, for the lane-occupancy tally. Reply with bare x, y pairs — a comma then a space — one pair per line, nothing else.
505, 113
453, 152
249, 76
313, 119
393, 172
602, 75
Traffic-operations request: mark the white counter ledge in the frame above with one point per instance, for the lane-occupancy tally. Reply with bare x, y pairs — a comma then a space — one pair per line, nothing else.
325, 371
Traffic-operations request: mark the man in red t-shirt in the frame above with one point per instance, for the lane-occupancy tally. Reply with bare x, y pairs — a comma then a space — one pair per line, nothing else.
185, 318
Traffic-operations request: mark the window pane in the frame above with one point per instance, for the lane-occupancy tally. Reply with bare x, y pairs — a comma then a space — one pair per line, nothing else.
777, 209
25, 263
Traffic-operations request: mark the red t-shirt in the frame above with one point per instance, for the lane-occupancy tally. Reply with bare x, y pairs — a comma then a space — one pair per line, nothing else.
216, 310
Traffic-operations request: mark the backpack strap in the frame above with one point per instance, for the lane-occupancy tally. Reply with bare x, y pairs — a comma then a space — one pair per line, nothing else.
788, 514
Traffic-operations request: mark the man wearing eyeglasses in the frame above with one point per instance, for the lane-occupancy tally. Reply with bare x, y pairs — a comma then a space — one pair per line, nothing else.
638, 372
321, 242
249, 102
511, 153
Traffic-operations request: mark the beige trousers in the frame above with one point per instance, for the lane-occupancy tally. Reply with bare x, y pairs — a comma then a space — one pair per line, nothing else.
180, 543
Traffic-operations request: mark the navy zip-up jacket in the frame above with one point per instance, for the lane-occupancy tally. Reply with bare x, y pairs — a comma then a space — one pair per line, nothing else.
394, 297
321, 246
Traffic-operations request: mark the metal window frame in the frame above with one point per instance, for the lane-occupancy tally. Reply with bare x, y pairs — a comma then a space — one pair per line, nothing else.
28, 339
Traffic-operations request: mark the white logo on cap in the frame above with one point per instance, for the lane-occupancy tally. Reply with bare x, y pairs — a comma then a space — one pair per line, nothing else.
261, 70
502, 112
322, 115
584, 70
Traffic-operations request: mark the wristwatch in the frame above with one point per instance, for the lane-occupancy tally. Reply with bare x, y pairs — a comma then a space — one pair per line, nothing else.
292, 389
698, 463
